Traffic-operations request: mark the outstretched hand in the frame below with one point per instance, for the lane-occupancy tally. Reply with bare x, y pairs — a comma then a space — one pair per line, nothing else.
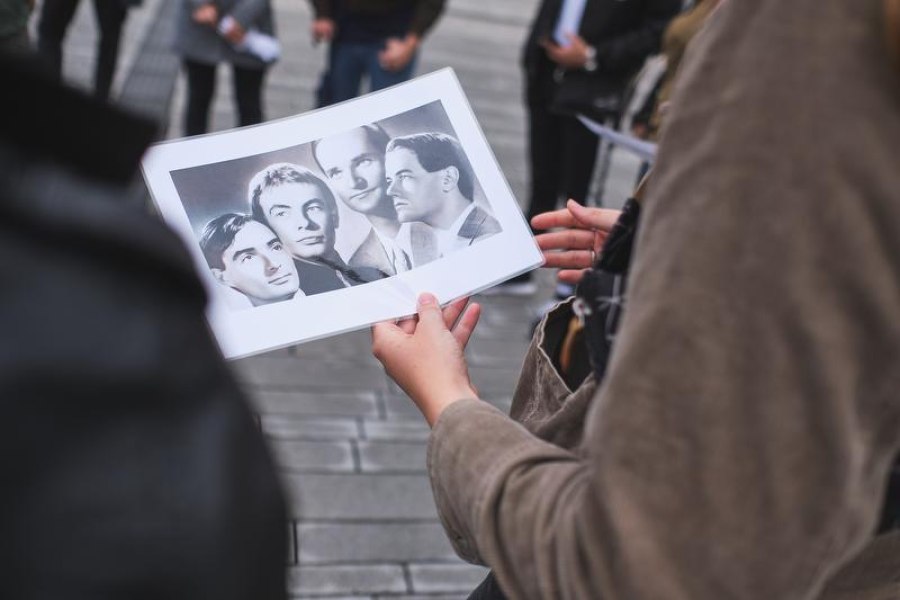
424, 353
575, 247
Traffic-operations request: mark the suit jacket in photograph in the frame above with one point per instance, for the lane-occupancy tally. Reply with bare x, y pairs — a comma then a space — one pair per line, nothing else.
478, 225
372, 255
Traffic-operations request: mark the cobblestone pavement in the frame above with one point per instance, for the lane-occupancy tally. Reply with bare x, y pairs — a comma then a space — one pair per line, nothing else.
350, 445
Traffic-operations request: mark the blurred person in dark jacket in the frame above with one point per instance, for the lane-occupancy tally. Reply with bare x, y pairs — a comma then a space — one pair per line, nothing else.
579, 58
132, 466
377, 39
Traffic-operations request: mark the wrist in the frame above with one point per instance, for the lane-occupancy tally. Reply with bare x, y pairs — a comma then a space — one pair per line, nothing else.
437, 405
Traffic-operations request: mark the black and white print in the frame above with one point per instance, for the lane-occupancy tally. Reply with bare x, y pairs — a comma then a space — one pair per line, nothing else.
359, 209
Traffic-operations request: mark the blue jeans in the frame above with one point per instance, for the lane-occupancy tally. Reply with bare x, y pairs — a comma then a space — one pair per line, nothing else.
350, 61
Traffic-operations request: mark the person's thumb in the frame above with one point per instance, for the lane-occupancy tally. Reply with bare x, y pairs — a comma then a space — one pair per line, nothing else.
429, 311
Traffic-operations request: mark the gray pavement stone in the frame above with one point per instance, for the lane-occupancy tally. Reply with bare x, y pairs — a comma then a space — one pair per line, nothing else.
372, 542
415, 430
300, 456
359, 497
319, 403
401, 409
284, 427
346, 580
392, 457
267, 372
443, 578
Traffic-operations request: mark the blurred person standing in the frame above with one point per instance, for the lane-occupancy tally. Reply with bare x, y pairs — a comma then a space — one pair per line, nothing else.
130, 463
675, 41
14, 25
579, 58
377, 39
208, 33
55, 18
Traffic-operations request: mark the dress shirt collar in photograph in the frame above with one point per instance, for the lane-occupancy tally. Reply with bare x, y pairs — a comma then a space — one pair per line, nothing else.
398, 253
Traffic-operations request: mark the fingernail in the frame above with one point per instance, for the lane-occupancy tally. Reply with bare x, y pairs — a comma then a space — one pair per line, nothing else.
425, 299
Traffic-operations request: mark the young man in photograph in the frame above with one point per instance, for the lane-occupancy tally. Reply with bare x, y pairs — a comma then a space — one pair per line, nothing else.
353, 161
431, 181
301, 210
247, 256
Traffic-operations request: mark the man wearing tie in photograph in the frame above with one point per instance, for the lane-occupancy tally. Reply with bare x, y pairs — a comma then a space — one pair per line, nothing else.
247, 256
353, 161
301, 209
431, 181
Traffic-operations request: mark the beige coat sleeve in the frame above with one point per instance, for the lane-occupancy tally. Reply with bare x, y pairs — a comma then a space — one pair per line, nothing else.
741, 441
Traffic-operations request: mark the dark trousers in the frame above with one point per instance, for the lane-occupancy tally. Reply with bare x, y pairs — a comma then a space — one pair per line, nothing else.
562, 153
56, 15
350, 62
201, 85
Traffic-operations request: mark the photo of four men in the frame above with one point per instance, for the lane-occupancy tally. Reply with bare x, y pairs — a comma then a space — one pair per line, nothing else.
279, 236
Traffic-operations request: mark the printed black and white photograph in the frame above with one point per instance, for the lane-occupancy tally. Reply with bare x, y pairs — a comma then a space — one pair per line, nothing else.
347, 209
367, 211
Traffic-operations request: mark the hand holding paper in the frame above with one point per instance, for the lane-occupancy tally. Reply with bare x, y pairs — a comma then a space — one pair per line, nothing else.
424, 354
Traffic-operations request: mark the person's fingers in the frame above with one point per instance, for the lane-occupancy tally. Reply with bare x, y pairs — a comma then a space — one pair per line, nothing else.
429, 311
571, 276
599, 219
466, 325
383, 334
573, 259
553, 219
567, 239
407, 325
452, 311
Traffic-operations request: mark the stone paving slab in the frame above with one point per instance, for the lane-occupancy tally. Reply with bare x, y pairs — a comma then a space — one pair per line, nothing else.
359, 497
366, 542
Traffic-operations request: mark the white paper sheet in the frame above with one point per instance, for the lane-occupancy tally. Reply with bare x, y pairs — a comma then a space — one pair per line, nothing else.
195, 180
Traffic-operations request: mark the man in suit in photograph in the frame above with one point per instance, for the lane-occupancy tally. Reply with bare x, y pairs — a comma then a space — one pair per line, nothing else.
431, 181
247, 256
353, 162
301, 210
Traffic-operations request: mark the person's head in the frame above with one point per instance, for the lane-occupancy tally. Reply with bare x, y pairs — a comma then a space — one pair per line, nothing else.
424, 171
353, 162
299, 207
246, 255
